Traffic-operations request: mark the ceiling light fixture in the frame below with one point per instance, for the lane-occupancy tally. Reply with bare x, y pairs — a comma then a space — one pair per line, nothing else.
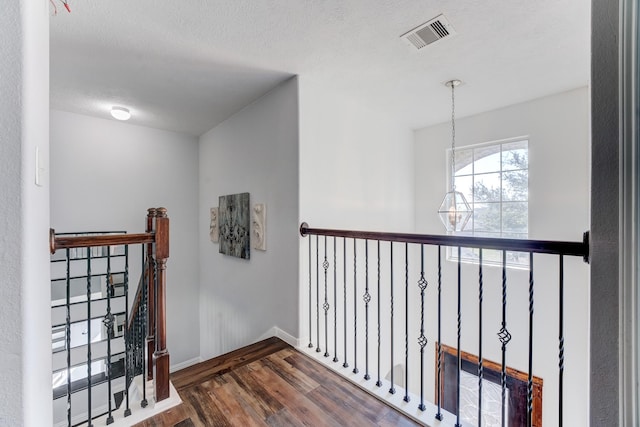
120, 113
454, 210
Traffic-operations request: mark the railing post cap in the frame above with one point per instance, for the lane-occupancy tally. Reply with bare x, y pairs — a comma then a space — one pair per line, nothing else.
303, 228
161, 212
151, 212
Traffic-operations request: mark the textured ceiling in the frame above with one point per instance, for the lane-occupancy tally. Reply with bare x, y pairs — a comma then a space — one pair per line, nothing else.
188, 65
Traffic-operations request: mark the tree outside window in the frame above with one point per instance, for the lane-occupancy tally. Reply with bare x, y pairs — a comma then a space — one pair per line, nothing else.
495, 180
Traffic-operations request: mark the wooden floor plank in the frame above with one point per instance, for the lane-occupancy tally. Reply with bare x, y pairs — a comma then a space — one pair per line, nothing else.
366, 405
344, 407
262, 402
282, 418
295, 377
204, 371
271, 384
235, 408
207, 413
301, 407
185, 423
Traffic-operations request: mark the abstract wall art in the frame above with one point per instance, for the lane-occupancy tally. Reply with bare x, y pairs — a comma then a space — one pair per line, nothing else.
258, 223
234, 223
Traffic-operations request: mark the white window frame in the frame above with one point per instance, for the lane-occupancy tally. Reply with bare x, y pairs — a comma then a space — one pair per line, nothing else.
489, 256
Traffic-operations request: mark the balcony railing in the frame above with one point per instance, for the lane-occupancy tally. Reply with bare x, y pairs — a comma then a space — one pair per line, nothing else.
377, 301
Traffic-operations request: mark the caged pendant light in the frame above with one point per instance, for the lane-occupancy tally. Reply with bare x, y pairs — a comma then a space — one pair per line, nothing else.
454, 210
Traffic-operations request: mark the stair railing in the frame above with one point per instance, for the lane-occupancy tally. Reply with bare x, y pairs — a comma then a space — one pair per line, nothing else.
143, 327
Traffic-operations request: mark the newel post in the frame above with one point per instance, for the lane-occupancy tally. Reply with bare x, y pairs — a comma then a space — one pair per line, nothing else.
161, 355
151, 296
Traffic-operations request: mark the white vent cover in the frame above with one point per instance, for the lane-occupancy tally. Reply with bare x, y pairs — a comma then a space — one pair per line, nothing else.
430, 32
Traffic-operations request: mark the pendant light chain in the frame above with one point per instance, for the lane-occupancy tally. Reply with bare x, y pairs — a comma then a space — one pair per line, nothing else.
454, 210
453, 137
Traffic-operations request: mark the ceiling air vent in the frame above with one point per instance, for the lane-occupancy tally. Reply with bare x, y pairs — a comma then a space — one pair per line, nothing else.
429, 32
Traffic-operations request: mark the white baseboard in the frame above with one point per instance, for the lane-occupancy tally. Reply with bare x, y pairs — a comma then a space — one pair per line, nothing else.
286, 337
185, 364
274, 331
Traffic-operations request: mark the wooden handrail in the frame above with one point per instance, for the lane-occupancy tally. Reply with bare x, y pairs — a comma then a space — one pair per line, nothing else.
67, 242
517, 245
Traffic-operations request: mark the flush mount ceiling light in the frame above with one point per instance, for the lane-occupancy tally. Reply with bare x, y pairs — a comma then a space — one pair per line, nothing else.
120, 113
454, 210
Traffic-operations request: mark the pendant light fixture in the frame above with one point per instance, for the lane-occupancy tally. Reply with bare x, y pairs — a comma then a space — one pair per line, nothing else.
454, 210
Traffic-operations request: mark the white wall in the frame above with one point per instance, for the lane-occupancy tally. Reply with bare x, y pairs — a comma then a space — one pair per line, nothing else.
254, 151
106, 174
558, 131
11, 217
25, 366
356, 167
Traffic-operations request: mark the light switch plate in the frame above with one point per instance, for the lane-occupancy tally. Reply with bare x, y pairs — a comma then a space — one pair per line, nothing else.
39, 169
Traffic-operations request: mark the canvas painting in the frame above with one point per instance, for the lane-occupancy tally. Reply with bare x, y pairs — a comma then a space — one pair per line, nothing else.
234, 225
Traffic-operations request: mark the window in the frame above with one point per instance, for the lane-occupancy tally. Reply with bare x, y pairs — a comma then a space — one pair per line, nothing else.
495, 180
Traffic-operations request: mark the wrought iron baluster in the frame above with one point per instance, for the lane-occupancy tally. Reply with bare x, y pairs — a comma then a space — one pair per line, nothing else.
392, 389
108, 323
68, 337
480, 361
325, 306
89, 385
145, 330
139, 341
344, 289
459, 360
129, 345
379, 382
128, 358
439, 355
504, 336
318, 294
422, 340
335, 303
561, 341
355, 311
310, 290
367, 298
530, 377
406, 322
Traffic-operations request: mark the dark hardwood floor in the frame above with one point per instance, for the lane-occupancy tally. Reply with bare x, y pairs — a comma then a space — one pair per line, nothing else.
271, 384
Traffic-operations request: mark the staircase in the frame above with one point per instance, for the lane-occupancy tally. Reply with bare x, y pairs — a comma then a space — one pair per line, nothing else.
110, 360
